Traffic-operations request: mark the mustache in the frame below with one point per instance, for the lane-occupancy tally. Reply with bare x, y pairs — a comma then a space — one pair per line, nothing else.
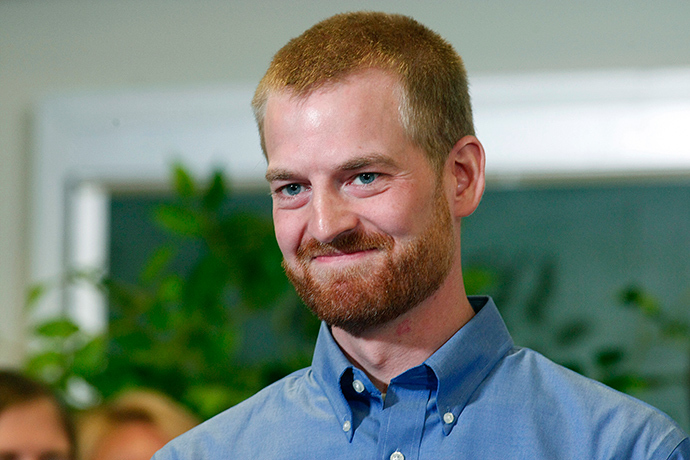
346, 243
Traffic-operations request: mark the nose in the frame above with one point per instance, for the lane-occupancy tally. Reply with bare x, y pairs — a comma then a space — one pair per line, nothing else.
331, 215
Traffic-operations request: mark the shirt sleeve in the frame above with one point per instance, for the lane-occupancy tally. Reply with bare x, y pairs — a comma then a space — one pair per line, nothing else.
682, 451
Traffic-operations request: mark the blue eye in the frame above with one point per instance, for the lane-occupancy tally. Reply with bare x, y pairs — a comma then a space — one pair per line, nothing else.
291, 189
366, 178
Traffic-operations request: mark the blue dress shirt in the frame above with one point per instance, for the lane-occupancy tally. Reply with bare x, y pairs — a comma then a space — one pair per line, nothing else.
476, 397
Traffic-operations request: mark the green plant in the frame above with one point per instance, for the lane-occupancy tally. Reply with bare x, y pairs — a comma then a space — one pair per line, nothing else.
525, 302
186, 333
523, 288
623, 366
657, 329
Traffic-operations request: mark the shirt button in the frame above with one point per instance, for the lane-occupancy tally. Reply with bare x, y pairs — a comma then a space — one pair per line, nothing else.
358, 386
347, 425
397, 456
448, 417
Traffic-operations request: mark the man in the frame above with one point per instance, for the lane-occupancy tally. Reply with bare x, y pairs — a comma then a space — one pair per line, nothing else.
34, 425
366, 124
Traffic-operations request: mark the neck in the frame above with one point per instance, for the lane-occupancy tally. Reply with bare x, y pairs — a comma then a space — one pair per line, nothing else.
387, 351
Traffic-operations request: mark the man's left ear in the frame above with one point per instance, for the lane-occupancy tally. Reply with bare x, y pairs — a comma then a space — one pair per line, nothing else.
466, 170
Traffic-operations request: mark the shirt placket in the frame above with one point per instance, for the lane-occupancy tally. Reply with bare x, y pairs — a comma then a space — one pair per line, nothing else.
403, 421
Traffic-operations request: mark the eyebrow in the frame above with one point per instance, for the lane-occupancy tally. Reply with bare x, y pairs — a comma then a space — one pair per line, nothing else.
278, 174
365, 161
350, 165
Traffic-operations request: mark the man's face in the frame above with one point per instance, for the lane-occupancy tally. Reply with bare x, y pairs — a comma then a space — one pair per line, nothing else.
359, 213
33, 431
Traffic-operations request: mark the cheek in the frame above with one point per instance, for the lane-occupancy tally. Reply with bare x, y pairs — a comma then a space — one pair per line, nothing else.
399, 218
287, 232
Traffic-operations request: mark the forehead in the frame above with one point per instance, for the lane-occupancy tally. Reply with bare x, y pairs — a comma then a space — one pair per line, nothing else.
132, 440
34, 424
380, 89
357, 115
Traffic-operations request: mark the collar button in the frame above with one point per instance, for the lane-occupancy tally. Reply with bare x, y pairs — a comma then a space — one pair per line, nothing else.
358, 386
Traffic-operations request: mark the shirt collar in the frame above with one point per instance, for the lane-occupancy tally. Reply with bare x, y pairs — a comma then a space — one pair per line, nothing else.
464, 361
329, 365
460, 365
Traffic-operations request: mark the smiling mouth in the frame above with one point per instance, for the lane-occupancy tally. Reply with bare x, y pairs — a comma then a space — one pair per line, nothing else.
335, 255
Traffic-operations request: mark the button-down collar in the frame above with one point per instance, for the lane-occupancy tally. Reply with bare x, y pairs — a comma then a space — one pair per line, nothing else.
465, 360
458, 367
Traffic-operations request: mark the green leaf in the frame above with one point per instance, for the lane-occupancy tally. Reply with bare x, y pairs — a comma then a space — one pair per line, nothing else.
171, 288
158, 261
91, 358
572, 332
180, 220
215, 195
35, 292
610, 357
676, 330
634, 296
535, 305
478, 280
211, 399
627, 383
62, 328
48, 366
630, 296
182, 181
159, 318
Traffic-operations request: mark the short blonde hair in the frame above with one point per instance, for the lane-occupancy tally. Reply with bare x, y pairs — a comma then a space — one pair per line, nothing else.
435, 107
168, 417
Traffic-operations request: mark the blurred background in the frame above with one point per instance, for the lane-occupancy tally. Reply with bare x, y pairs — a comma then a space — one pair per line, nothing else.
135, 237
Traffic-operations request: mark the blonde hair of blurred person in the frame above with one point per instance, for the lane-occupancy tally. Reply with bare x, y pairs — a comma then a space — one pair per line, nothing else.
133, 426
34, 424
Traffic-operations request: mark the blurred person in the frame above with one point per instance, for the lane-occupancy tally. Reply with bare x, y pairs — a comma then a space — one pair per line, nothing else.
34, 424
132, 426
366, 122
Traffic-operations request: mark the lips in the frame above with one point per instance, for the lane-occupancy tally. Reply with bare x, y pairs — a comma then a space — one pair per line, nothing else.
342, 255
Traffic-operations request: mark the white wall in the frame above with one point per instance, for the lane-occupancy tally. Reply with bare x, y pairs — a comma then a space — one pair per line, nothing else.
49, 47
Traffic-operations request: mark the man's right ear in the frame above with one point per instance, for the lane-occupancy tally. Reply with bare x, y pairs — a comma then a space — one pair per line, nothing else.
467, 164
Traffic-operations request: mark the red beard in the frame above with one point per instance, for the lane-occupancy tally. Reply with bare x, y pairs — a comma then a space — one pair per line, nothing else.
361, 297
